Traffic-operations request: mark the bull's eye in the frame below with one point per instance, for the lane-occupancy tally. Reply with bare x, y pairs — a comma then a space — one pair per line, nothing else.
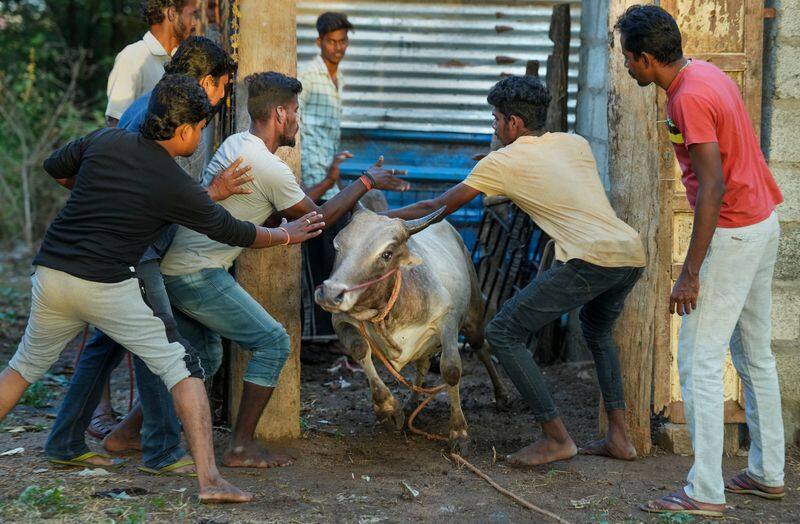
386, 255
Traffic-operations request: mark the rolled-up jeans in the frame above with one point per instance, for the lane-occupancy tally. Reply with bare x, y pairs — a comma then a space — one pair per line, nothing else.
734, 309
161, 430
213, 305
600, 290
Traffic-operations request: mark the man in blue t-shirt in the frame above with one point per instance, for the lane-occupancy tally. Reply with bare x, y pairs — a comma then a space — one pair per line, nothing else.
160, 439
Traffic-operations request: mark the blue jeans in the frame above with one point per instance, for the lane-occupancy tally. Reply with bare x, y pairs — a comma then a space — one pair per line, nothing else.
161, 431
600, 290
213, 305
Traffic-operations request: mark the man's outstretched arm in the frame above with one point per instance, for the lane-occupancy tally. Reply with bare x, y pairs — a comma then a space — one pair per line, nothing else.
452, 200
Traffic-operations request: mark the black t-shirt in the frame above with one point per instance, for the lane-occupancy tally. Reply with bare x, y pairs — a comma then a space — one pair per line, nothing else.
127, 191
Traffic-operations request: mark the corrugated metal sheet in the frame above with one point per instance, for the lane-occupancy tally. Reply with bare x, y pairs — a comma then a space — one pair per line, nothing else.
428, 66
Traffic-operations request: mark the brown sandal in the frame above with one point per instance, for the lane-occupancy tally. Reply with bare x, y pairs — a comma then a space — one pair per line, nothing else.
101, 426
686, 505
742, 484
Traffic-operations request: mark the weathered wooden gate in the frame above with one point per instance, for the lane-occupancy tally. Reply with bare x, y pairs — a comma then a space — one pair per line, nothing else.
728, 33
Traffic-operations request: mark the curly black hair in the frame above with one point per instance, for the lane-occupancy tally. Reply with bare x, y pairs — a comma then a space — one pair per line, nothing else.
523, 96
650, 29
198, 56
176, 100
153, 10
266, 91
330, 22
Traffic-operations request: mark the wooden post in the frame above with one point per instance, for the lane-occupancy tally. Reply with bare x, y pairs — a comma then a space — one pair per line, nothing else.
558, 68
633, 173
268, 42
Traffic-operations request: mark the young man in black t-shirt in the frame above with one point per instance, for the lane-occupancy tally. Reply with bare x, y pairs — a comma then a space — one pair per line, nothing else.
126, 189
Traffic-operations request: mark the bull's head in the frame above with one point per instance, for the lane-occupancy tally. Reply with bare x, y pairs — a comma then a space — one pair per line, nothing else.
370, 246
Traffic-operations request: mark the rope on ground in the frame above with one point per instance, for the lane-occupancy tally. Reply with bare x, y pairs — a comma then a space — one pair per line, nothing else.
519, 500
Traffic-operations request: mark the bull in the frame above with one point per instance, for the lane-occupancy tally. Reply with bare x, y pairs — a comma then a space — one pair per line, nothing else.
410, 287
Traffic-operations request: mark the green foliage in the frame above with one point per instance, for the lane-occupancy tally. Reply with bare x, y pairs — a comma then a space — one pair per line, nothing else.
49, 502
675, 518
55, 56
55, 28
37, 395
138, 516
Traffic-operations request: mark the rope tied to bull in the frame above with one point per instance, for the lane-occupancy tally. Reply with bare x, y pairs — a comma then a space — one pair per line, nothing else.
377, 320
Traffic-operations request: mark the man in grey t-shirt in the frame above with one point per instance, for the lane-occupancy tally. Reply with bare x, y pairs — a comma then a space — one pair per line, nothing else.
208, 302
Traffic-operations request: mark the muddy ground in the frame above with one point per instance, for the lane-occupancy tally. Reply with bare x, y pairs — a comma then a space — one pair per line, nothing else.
348, 468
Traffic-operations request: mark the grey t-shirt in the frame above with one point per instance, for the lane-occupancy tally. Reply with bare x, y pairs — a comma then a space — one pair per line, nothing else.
274, 188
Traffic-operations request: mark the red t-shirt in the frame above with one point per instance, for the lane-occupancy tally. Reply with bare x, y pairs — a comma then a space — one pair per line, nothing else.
704, 105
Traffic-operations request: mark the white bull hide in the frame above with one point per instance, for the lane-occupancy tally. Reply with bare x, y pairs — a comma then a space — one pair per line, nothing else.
436, 296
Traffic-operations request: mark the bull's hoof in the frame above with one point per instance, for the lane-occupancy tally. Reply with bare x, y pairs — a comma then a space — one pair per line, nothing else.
394, 419
502, 402
459, 442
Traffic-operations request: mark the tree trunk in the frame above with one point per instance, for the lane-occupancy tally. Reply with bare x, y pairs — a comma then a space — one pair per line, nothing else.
633, 173
272, 276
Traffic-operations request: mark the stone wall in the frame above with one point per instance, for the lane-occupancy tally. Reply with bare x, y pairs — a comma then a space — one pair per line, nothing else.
592, 111
781, 143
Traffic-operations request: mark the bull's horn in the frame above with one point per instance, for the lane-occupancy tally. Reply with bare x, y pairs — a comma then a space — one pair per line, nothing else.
417, 225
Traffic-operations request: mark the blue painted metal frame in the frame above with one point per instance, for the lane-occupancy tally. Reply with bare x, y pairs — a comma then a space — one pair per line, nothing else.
434, 161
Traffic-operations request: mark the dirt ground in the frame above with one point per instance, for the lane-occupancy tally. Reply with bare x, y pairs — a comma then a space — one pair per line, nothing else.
348, 468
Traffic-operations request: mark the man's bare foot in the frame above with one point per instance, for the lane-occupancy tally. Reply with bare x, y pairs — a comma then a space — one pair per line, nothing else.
122, 439
253, 456
102, 461
220, 490
617, 449
543, 451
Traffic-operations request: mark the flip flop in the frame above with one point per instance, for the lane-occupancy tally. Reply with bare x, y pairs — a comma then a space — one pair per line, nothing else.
744, 485
687, 506
169, 470
82, 461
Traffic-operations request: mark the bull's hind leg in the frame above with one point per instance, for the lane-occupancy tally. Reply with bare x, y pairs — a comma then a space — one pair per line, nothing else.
387, 409
501, 400
473, 329
451, 373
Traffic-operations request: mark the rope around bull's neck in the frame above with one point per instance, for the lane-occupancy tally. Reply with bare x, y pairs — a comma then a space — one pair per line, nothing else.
377, 320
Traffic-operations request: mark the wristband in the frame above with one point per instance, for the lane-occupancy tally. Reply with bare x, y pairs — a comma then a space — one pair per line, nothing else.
288, 238
368, 181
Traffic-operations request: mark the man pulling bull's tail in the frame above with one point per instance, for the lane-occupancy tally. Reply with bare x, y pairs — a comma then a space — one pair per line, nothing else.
553, 178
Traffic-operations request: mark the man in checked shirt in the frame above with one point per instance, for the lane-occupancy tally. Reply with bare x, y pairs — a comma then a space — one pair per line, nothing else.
321, 112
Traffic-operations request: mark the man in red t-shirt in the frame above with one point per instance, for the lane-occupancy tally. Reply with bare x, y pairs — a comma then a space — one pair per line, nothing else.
724, 289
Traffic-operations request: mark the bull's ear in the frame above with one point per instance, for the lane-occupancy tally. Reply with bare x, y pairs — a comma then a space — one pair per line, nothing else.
415, 226
360, 208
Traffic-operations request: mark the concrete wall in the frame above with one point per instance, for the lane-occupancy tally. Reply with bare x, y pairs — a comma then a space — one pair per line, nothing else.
592, 112
781, 124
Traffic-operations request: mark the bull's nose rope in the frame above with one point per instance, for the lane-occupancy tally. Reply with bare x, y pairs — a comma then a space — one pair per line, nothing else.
429, 392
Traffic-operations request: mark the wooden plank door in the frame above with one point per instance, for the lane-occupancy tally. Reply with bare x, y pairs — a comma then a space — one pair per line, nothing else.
728, 33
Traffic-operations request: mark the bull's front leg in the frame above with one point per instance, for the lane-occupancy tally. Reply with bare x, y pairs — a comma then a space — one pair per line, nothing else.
387, 409
450, 367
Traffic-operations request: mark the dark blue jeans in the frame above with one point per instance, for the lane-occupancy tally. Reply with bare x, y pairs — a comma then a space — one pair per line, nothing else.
600, 290
161, 431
